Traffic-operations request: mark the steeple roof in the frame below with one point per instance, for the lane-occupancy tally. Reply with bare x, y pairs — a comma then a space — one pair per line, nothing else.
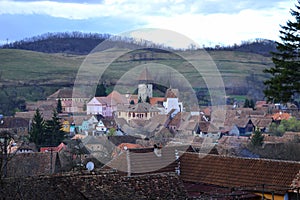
145, 76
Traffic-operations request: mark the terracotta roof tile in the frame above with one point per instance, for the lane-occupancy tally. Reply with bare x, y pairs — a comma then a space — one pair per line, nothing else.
238, 172
281, 116
156, 100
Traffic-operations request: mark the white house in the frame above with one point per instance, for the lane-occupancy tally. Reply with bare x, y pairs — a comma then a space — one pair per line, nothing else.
172, 102
99, 105
101, 127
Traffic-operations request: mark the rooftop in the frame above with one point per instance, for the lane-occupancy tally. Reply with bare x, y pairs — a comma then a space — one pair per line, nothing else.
237, 172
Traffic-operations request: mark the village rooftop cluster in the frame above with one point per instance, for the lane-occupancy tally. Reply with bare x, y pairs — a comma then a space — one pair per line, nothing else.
144, 135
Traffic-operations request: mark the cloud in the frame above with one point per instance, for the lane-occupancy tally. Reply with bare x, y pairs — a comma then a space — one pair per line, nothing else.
226, 28
206, 21
89, 9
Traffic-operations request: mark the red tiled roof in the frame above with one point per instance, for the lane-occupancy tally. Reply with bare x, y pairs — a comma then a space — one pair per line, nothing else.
60, 147
129, 146
239, 172
155, 100
207, 111
260, 104
281, 116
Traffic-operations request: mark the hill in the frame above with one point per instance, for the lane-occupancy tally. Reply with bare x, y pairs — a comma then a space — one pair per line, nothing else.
29, 75
76, 43
79, 43
72, 43
259, 46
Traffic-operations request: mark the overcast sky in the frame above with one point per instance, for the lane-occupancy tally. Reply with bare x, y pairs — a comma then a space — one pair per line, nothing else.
207, 22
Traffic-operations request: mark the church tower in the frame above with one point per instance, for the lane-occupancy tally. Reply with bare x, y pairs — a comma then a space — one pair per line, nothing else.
145, 86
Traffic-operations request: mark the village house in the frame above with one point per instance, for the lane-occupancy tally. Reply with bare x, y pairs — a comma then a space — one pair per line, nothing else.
137, 161
59, 148
25, 148
171, 102
33, 164
139, 111
106, 106
71, 101
207, 130
99, 147
85, 124
16, 125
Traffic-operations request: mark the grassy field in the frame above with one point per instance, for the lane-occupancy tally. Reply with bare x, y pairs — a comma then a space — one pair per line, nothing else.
28, 66
34, 75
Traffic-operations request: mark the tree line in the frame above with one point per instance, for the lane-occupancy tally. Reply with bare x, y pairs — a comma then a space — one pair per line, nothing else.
260, 46
79, 43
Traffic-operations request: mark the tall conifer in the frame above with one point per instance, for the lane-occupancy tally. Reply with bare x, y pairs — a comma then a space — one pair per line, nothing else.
284, 82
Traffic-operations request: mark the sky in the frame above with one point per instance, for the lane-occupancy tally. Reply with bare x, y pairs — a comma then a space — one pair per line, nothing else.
207, 22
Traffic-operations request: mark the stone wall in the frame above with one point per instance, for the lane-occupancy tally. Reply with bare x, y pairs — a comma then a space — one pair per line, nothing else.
94, 185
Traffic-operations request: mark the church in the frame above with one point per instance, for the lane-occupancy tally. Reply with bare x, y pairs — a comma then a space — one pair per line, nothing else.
146, 105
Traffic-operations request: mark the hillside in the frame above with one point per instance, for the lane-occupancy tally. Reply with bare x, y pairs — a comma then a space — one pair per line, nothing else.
76, 43
79, 43
29, 75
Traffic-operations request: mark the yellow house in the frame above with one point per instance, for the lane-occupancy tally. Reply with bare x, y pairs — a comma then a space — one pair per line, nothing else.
139, 111
66, 126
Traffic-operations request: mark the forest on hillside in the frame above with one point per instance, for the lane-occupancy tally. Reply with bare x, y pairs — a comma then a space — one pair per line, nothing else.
79, 43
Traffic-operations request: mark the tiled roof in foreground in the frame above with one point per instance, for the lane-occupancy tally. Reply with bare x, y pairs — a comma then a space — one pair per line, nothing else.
237, 172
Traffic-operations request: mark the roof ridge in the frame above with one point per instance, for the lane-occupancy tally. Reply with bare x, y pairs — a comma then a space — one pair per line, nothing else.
244, 158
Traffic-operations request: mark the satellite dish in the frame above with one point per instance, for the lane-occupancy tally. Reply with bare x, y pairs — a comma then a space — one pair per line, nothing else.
90, 166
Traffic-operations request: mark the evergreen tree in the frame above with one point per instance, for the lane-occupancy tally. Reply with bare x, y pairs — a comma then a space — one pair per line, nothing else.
37, 129
147, 99
101, 91
59, 106
246, 103
54, 132
251, 104
131, 102
285, 75
140, 99
257, 139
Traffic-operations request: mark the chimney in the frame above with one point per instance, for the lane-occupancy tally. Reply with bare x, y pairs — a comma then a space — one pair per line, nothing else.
157, 150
